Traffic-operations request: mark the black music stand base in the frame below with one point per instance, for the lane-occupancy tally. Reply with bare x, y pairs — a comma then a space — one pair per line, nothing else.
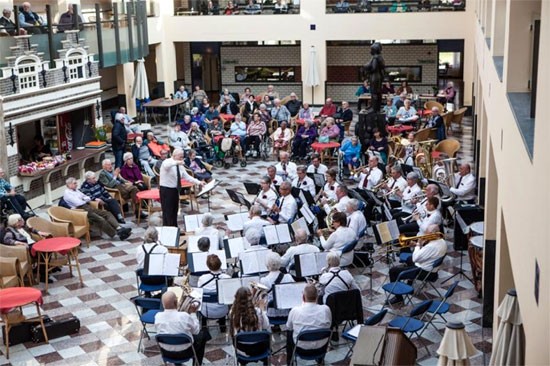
460, 272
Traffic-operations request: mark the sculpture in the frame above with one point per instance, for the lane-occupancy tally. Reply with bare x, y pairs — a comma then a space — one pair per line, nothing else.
376, 71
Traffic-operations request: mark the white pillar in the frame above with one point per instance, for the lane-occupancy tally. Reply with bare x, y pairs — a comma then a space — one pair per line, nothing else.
166, 61
125, 82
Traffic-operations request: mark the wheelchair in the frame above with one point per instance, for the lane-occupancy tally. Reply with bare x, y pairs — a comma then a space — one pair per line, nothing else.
7, 209
228, 151
265, 148
343, 170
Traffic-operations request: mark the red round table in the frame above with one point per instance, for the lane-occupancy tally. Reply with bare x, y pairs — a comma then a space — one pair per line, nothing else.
397, 130
47, 248
17, 297
148, 196
227, 117
323, 147
301, 121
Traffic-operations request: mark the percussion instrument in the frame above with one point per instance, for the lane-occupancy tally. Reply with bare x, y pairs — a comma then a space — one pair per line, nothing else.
475, 252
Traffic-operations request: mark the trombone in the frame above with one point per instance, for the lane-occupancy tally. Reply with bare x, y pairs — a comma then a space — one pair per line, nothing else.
405, 241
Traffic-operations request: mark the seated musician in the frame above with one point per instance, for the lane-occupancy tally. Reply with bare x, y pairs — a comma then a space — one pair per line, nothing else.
255, 219
172, 321
394, 184
305, 136
336, 279
329, 190
266, 197
208, 282
285, 206
303, 181
208, 229
339, 204
275, 180
299, 246
253, 237
204, 244
274, 277
421, 221
412, 191
371, 175
341, 236
424, 254
286, 169
465, 184
316, 167
356, 218
407, 113
308, 316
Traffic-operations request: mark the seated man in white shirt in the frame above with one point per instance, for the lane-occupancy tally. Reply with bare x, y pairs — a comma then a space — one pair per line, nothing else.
208, 282
299, 246
266, 197
316, 167
342, 200
340, 237
256, 222
253, 238
424, 254
419, 223
172, 321
304, 182
371, 175
356, 219
394, 184
465, 184
412, 191
207, 228
151, 245
286, 169
308, 316
336, 279
285, 207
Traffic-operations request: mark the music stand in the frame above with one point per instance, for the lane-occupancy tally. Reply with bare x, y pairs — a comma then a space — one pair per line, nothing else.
238, 198
252, 188
206, 191
406, 169
466, 230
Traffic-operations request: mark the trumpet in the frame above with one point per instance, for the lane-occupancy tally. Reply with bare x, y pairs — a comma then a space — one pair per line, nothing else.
379, 185
416, 211
357, 171
404, 241
259, 293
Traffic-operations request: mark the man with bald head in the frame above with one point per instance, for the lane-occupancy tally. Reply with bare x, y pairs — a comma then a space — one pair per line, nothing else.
300, 246
30, 20
172, 321
465, 184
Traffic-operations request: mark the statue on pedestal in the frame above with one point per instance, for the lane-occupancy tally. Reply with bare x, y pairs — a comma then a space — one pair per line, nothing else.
376, 72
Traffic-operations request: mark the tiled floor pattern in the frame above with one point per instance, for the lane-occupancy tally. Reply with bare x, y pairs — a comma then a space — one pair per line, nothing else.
110, 328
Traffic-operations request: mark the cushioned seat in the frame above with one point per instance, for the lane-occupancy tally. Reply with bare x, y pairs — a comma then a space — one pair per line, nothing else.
79, 225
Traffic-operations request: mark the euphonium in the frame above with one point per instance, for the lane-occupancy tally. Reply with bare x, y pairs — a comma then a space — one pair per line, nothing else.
186, 301
404, 240
259, 293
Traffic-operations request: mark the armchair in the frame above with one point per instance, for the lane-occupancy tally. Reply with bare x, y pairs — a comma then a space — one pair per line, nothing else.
21, 253
9, 272
79, 225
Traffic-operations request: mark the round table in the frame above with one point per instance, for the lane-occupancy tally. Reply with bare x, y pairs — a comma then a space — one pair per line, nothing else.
17, 297
477, 227
65, 246
397, 130
227, 117
322, 148
148, 196
301, 121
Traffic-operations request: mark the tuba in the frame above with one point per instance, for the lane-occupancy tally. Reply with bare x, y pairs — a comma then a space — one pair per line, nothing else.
447, 177
186, 301
259, 293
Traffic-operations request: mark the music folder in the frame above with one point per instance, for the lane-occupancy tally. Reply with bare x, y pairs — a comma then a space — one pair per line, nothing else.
388, 231
277, 234
197, 261
310, 264
288, 295
253, 261
306, 197
208, 187
238, 198
169, 236
300, 224
166, 264
373, 197
318, 179
234, 246
236, 222
192, 222
252, 188
307, 214
193, 242
227, 288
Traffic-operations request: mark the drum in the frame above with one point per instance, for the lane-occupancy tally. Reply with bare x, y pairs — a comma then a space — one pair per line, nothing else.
477, 228
475, 252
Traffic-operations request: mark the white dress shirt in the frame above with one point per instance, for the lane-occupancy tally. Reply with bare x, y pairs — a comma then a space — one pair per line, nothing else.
340, 206
140, 253
432, 218
171, 321
330, 190
357, 222
208, 309
322, 169
74, 198
466, 190
269, 281
256, 223
410, 192
309, 316
307, 184
266, 200
288, 258
373, 179
289, 173
400, 183
168, 174
287, 208
425, 256
211, 231
346, 283
338, 240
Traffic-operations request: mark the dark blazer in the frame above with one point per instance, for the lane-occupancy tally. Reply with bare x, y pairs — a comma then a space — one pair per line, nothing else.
8, 26
119, 136
232, 106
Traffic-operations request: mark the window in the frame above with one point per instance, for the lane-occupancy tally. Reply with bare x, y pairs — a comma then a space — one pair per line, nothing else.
28, 75
75, 66
404, 73
265, 74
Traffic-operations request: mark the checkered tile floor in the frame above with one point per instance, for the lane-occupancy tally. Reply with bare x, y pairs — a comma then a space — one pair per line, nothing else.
110, 328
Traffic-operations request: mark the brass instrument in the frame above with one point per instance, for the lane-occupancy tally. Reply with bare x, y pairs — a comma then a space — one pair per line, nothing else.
357, 171
448, 177
259, 293
186, 301
416, 211
404, 241
379, 185
423, 159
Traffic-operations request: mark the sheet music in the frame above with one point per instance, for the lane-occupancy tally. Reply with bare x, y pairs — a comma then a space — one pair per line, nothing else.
319, 180
235, 222
227, 288
308, 215
169, 236
235, 246
388, 231
311, 264
167, 264
387, 212
288, 295
208, 187
192, 222
197, 261
284, 233
270, 233
354, 332
254, 261
193, 242
300, 224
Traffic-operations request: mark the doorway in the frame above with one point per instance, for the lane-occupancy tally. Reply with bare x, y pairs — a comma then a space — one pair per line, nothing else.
205, 69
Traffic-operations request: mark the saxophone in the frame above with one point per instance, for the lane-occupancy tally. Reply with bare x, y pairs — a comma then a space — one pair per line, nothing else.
186, 302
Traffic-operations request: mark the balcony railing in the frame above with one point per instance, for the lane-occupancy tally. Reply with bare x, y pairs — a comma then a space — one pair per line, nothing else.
235, 7
395, 6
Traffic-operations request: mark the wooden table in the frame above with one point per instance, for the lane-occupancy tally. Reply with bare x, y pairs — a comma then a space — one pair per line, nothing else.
397, 130
227, 117
324, 147
66, 246
163, 103
17, 297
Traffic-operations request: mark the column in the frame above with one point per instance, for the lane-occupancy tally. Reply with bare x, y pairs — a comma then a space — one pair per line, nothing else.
166, 71
3, 143
125, 82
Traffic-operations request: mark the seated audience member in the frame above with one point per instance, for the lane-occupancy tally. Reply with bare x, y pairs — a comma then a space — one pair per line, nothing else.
299, 246
308, 316
228, 106
163, 156
356, 218
111, 178
336, 279
399, 100
306, 135
182, 93
286, 169
407, 113
281, 137
197, 113
9, 196
266, 197
268, 102
340, 237
254, 132
213, 9
274, 277
250, 107
436, 121
238, 129
93, 189
316, 167
343, 118
424, 254
211, 113
101, 218
208, 282
285, 207
172, 321
306, 113
279, 112
225, 93
154, 144
387, 88
265, 114
398, 7
197, 167
293, 105
329, 189
330, 130
151, 245
390, 111
303, 182
126, 120
363, 89
230, 9
40, 150
7, 26
256, 221
30, 20
143, 155
404, 88
363, 6
197, 136
342, 6
419, 224
465, 184
379, 144
198, 96
245, 96
216, 129
351, 151
328, 109
252, 8
371, 175
280, 7
449, 94
131, 172
208, 229
179, 139
66, 20
185, 124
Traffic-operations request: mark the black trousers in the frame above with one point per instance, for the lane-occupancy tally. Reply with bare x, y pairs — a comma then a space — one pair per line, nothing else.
169, 202
410, 229
253, 140
18, 202
113, 207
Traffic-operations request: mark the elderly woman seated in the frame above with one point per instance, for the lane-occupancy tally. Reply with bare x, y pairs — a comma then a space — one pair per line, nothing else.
197, 167
281, 137
351, 151
178, 138
255, 131
130, 171
155, 145
304, 137
407, 113
143, 155
238, 130
330, 131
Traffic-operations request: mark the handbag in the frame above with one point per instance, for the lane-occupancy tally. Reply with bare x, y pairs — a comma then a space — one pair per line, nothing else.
324, 139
